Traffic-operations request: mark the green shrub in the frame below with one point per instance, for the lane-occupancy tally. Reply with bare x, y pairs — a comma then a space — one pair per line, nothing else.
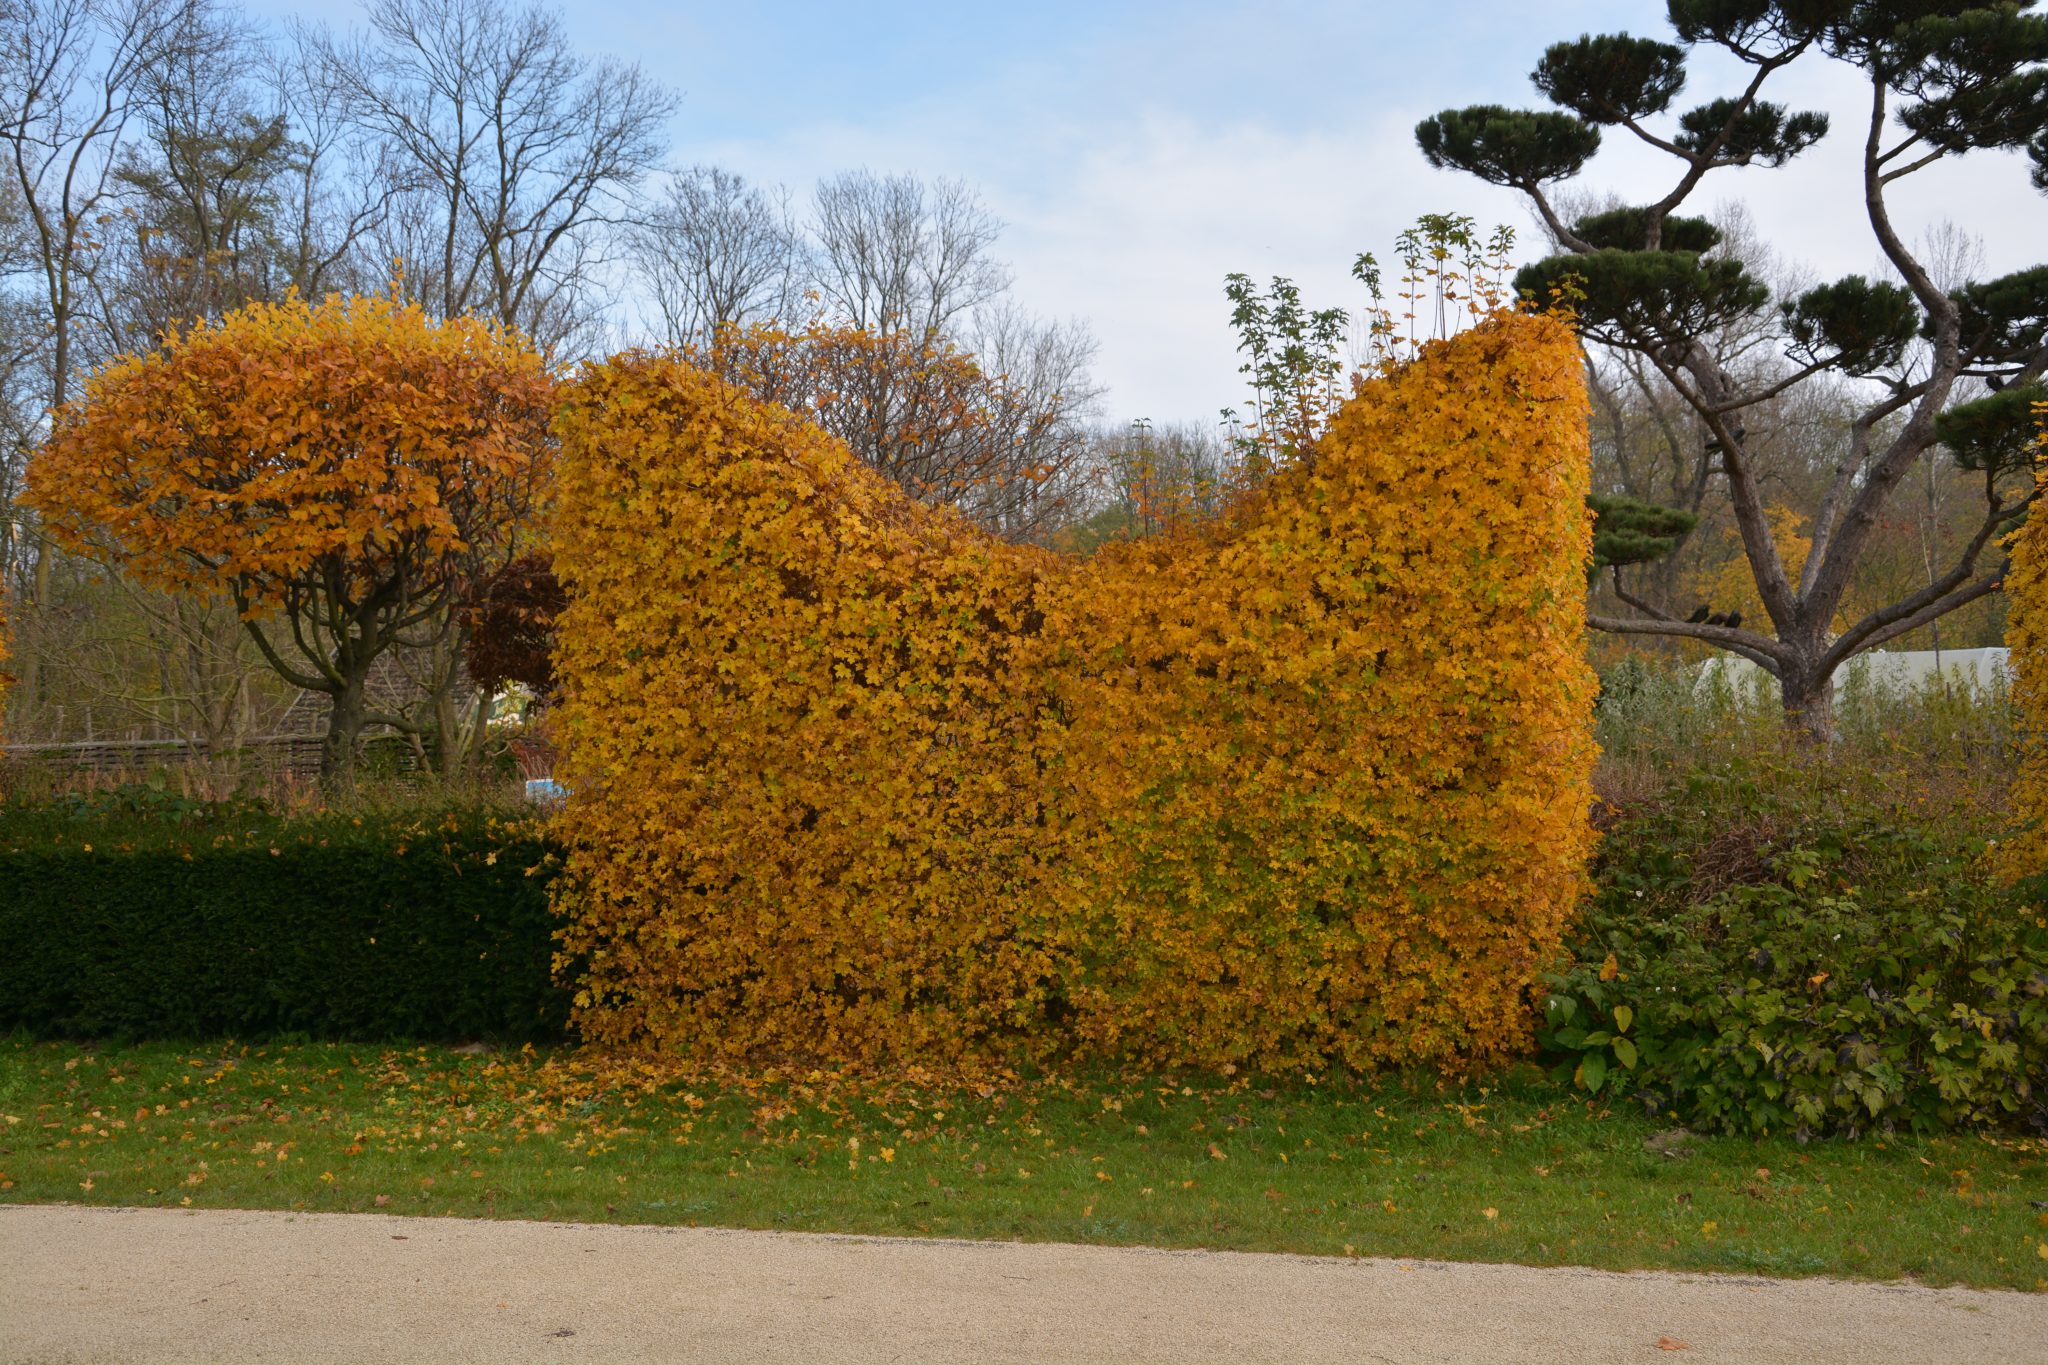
142, 914
1772, 950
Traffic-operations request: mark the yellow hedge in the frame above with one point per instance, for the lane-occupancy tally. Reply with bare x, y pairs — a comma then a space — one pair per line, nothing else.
2026, 635
855, 782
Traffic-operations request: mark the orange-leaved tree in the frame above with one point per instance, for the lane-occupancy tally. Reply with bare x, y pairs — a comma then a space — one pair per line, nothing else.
913, 406
340, 471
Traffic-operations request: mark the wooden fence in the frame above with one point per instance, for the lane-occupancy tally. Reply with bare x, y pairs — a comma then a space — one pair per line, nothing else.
295, 756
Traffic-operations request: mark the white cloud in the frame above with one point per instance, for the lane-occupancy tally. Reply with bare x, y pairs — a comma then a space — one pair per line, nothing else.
1146, 225
1133, 227
1131, 218
1140, 151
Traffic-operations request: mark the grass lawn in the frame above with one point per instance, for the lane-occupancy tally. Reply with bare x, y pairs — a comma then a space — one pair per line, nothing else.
1515, 1171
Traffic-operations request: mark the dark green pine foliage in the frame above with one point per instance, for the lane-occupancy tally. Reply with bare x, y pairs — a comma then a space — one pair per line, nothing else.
1613, 79
1759, 134
1942, 79
1509, 147
1960, 67
1628, 229
1646, 299
1629, 531
1864, 326
1996, 433
2003, 320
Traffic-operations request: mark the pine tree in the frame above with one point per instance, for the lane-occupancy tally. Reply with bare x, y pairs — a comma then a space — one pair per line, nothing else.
1944, 80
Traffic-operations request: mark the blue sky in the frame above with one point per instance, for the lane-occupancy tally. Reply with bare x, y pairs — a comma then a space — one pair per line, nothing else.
1140, 151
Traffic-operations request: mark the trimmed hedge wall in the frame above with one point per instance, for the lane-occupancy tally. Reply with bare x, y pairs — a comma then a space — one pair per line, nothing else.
2026, 634
205, 925
855, 782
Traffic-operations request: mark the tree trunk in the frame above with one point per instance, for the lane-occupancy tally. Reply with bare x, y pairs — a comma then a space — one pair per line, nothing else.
344, 732
448, 728
1809, 700
30, 605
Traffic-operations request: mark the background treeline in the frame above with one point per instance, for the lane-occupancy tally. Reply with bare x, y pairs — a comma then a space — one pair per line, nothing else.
167, 161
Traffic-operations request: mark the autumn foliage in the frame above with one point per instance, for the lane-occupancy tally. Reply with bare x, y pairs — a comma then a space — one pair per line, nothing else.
2026, 636
914, 407
512, 627
856, 782
341, 470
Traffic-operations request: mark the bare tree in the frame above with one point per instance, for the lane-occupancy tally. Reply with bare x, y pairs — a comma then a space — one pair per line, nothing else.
898, 255
22, 388
211, 201
1037, 406
69, 72
1141, 476
513, 152
893, 251
334, 195
171, 663
198, 188
69, 79
714, 251
886, 321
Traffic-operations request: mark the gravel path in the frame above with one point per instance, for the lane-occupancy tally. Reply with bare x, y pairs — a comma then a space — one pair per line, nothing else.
128, 1285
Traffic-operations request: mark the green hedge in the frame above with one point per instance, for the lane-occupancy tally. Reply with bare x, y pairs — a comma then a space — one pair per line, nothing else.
1767, 953
160, 918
